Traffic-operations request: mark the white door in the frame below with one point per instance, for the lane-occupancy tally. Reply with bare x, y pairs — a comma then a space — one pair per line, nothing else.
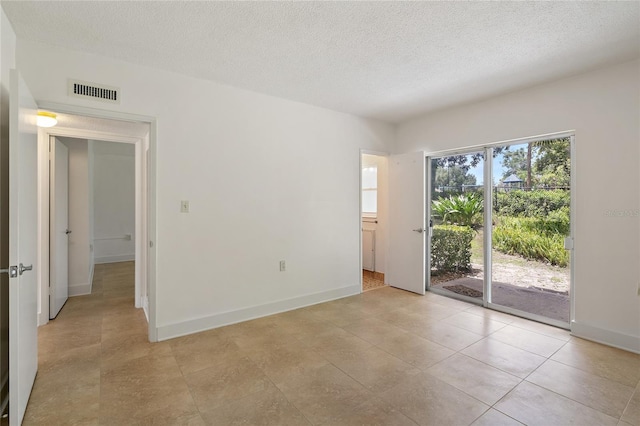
23, 328
407, 198
59, 219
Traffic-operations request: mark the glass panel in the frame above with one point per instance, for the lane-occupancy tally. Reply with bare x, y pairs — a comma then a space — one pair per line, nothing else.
531, 194
457, 206
370, 201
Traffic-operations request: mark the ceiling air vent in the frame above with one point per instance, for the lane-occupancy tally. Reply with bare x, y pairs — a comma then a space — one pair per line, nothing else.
82, 89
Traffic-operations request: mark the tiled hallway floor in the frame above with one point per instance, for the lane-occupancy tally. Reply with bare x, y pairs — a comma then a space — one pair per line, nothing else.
371, 280
381, 357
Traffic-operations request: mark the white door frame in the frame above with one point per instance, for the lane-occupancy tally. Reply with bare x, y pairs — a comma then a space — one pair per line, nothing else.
145, 201
488, 173
58, 243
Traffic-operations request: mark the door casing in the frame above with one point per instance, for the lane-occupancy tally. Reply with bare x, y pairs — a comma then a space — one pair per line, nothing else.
58, 223
145, 154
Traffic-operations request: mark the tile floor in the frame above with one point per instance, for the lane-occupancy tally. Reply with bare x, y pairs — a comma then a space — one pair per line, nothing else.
372, 280
383, 357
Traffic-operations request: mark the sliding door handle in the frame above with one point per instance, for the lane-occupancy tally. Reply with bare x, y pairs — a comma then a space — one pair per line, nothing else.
419, 230
22, 269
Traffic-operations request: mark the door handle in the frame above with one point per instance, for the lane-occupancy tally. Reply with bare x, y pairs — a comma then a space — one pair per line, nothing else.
68, 231
22, 269
419, 230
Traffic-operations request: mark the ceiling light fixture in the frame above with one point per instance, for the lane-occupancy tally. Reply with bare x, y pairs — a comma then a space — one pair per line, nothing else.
46, 119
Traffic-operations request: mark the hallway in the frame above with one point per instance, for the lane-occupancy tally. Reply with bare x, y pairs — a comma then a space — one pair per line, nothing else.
85, 354
380, 357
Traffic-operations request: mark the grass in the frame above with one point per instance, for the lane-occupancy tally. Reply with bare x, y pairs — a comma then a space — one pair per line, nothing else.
531, 238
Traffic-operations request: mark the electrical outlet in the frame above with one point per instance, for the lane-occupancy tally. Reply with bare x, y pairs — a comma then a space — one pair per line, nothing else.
283, 266
184, 206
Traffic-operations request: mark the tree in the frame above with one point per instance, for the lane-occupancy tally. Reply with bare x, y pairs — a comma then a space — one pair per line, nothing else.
514, 163
553, 163
551, 150
464, 162
453, 176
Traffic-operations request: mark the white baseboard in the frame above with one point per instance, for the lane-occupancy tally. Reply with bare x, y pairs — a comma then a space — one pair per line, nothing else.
145, 307
115, 259
91, 270
616, 339
226, 318
79, 289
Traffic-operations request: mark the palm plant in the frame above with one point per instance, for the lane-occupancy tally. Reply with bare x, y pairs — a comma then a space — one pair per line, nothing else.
463, 209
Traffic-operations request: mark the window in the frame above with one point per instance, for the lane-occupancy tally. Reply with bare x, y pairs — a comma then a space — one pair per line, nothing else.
370, 191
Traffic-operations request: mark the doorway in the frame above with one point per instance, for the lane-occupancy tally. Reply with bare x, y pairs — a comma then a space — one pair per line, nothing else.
105, 136
501, 227
373, 216
92, 213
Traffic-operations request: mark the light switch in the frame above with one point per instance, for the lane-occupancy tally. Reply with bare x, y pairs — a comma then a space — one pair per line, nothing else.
184, 206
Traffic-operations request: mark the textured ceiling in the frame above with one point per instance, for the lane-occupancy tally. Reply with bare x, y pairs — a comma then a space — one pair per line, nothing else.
385, 60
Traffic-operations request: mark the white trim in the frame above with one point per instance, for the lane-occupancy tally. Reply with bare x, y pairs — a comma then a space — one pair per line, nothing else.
231, 317
149, 192
481, 147
360, 221
428, 223
605, 336
66, 132
115, 259
145, 306
572, 228
79, 289
92, 268
487, 238
43, 226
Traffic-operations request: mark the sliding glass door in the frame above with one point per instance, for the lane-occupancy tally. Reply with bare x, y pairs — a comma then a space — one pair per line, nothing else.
500, 231
457, 225
531, 194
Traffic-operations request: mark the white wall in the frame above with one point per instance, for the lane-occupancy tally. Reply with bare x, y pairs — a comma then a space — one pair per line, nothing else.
79, 239
267, 179
113, 176
604, 109
381, 162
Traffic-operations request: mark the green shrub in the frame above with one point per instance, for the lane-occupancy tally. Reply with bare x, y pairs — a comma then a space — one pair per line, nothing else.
530, 203
534, 238
464, 209
451, 247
